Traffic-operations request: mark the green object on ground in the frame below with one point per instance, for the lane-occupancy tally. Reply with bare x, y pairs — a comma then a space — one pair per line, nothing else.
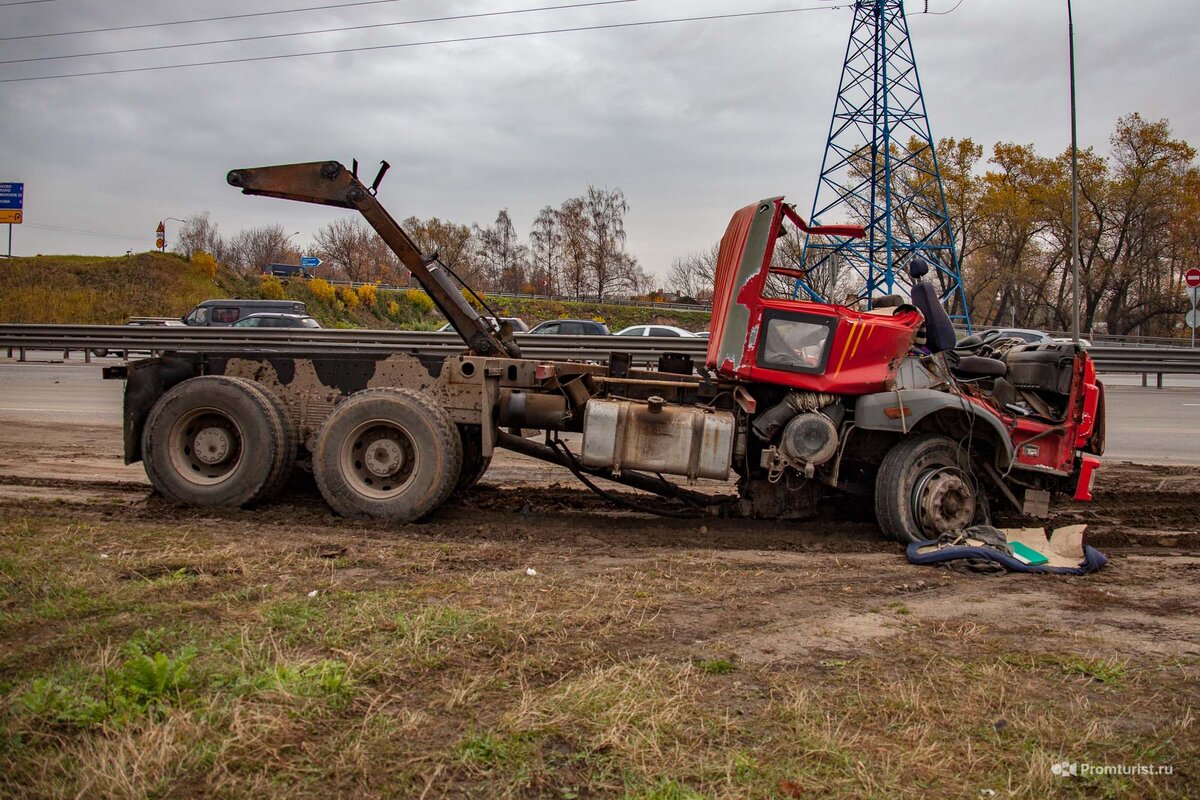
1027, 554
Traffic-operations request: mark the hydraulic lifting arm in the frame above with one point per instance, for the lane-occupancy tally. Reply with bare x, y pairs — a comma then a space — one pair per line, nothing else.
329, 183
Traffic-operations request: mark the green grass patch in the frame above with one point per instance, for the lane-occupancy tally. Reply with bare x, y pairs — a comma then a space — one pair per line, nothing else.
716, 666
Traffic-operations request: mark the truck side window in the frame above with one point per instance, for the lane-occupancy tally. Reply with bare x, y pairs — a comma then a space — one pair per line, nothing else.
796, 344
225, 315
198, 317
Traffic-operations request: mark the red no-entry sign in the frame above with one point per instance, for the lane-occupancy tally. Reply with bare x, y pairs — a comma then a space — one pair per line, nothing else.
1192, 277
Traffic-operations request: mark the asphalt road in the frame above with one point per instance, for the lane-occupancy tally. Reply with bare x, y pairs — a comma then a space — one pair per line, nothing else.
1145, 425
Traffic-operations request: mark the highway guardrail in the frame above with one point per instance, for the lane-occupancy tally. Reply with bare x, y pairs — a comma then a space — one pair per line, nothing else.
126, 339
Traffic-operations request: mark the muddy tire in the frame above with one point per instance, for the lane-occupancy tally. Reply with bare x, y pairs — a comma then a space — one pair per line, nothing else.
285, 462
474, 463
925, 488
212, 441
389, 454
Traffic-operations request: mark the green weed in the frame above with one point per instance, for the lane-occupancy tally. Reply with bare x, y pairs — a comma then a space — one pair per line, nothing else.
665, 789
716, 666
144, 683
1106, 670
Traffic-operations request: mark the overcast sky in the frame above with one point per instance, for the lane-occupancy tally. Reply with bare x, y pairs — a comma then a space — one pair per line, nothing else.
692, 120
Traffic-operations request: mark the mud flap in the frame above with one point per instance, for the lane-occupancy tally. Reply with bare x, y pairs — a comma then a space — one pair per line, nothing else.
146, 382
1087, 477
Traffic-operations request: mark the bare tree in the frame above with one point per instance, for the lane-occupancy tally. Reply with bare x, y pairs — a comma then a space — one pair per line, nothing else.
502, 257
346, 245
454, 245
592, 231
199, 232
693, 275
611, 268
253, 248
573, 223
546, 251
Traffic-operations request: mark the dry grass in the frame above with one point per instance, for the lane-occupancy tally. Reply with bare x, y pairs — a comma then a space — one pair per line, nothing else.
435, 669
100, 290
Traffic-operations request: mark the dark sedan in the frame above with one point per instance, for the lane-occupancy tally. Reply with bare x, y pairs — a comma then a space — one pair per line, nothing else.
571, 327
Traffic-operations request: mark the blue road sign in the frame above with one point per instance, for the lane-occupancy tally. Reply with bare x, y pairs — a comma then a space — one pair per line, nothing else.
12, 196
308, 262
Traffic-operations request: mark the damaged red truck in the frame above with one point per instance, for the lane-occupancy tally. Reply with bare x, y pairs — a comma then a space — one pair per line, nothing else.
798, 400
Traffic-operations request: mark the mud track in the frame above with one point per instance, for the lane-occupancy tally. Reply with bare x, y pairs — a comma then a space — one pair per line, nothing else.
80, 466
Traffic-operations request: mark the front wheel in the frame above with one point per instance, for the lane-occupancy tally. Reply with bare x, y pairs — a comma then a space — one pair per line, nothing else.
925, 487
389, 454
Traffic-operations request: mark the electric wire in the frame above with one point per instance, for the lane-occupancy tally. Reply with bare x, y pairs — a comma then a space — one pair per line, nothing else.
249, 15
942, 13
431, 42
24, 3
64, 229
510, 12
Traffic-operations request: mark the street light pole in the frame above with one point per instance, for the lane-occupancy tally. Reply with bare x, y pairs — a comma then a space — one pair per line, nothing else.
1074, 184
165, 221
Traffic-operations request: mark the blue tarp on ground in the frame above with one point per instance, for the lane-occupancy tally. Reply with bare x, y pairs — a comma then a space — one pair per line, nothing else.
1093, 559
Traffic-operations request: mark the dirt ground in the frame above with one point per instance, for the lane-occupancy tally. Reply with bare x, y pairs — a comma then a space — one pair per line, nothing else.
795, 610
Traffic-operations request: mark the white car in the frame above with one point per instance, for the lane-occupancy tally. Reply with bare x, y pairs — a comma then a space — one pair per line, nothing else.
657, 330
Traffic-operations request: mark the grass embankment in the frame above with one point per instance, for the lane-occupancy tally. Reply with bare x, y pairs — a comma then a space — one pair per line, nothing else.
100, 290
216, 658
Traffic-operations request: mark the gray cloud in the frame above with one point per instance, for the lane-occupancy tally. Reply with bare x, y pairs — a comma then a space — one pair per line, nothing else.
691, 120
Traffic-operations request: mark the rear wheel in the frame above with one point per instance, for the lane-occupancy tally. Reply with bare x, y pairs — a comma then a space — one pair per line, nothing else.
925, 487
212, 441
389, 454
286, 434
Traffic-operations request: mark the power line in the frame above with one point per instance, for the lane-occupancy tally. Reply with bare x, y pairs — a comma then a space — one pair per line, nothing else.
456, 40
61, 229
324, 30
942, 13
25, 3
194, 21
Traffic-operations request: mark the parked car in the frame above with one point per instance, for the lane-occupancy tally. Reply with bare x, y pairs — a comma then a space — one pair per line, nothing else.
518, 325
571, 327
1026, 335
275, 320
656, 330
222, 313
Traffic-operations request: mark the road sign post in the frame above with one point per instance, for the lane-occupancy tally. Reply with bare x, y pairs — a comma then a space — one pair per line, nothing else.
1192, 279
12, 207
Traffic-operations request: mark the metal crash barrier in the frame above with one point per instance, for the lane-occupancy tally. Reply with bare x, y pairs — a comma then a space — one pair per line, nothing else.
127, 340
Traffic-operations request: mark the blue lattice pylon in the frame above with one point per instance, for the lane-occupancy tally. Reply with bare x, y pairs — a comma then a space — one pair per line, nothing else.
880, 169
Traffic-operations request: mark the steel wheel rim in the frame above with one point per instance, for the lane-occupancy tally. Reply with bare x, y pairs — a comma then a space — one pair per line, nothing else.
379, 459
205, 446
943, 501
